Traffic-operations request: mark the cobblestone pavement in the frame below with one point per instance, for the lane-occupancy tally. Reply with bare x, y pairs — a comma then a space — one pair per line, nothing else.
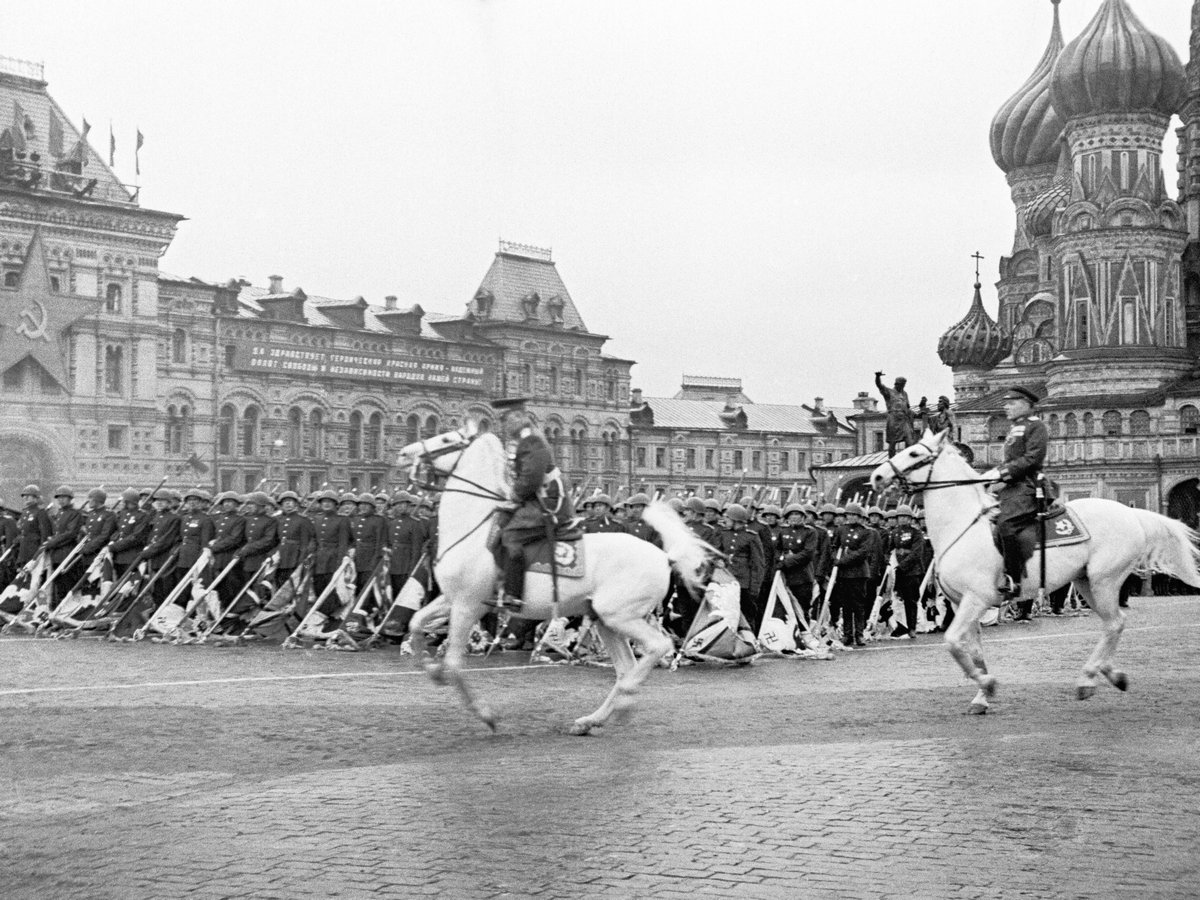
142, 771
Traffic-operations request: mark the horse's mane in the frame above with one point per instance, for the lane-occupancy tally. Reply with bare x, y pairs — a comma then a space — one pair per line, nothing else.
496, 457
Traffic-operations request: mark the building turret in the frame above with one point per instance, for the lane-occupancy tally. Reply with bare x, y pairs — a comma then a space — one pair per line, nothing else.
971, 347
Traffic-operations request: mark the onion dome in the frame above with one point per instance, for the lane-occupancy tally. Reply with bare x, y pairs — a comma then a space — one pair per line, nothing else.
1115, 66
1038, 214
976, 340
1027, 127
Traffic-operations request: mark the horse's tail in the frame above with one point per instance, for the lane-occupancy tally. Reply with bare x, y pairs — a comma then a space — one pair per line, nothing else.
686, 551
1170, 547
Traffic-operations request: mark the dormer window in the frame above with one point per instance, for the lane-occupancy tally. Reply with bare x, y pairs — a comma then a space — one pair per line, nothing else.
555, 307
484, 301
529, 304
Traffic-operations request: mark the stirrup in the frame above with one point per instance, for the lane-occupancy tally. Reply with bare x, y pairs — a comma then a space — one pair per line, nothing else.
506, 602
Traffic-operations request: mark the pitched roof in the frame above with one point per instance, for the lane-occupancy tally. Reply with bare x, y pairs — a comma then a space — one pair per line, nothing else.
867, 460
705, 415
513, 276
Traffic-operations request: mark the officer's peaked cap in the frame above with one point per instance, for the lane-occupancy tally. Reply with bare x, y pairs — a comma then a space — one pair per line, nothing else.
1021, 393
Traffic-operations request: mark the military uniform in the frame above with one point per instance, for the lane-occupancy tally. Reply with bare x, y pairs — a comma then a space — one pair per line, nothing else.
8, 538
1024, 455
34, 528
370, 540
856, 546
744, 554
406, 537
67, 522
334, 540
129, 536
297, 542
161, 543
908, 543
799, 548
229, 533
196, 531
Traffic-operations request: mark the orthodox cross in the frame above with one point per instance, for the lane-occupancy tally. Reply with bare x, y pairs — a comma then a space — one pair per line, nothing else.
977, 257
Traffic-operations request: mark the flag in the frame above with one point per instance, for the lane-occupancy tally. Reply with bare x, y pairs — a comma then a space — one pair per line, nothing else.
56, 136
137, 148
112, 145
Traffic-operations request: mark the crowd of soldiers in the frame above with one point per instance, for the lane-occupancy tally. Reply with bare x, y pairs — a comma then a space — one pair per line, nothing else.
160, 536
827, 555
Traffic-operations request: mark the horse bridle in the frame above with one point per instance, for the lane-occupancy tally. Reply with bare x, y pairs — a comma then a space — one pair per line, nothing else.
901, 475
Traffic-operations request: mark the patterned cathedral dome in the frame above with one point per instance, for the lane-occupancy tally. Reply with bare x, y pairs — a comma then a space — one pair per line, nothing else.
1116, 65
1026, 129
976, 340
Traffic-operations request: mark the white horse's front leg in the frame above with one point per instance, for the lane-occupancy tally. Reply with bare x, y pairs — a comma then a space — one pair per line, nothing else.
463, 617
964, 642
621, 655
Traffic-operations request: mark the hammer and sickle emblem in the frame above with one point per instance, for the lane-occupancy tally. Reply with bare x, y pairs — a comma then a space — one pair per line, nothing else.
1064, 526
31, 327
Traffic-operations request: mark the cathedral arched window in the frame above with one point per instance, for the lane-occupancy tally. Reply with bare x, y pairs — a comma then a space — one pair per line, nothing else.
1111, 423
1071, 424
354, 442
1054, 426
1189, 419
179, 346
1089, 424
314, 435
295, 433
250, 419
1139, 422
112, 298
226, 429
374, 436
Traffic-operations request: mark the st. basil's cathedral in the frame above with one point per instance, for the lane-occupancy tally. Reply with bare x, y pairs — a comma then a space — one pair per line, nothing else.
1099, 299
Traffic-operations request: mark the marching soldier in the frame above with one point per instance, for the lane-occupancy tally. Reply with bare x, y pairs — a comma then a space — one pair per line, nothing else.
857, 546
161, 543
196, 531
635, 525
695, 520
799, 549
132, 529
334, 541
297, 537
712, 517
880, 559
67, 522
99, 525
34, 527
767, 529
9, 539
909, 545
370, 539
746, 562
229, 533
406, 535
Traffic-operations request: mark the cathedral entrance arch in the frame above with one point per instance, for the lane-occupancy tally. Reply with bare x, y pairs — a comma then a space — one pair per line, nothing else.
1183, 502
27, 459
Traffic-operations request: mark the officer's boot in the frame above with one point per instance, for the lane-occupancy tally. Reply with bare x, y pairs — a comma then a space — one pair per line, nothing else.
514, 583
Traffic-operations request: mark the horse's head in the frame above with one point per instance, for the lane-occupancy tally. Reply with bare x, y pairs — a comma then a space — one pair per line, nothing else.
915, 459
438, 454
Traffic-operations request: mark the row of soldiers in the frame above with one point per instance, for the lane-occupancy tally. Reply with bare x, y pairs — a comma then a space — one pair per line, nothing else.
168, 530
809, 546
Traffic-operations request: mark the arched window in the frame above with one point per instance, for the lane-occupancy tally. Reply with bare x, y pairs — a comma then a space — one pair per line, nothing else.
1072, 425
997, 428
354, 443
314, 435
112, 298
174, 431
295, 438
1089, 424
1189, 419
579, 385
226, 428
1054, 426
412, 429
114, 370
431, 427
610, 450
1111, 422
526, 378
179, 346
374, 437
1139, 422
578, 436
554, 379
250, 431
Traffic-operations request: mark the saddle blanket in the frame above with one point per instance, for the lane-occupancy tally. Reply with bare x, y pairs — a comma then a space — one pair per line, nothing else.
1063, 527
568, 558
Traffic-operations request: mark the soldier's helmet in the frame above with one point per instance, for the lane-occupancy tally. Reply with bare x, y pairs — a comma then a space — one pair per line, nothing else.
638, 500
63, 491
696, 505
735, 512
904, 510
326, 494
810, 508
793, 508
602, 500
874, 511
97, 495
853, 509
747, 502
31, 490
381, 497
129, 495
197, 493
258, 498
771, 509
228, 495
828, 508
890, 514
712, 503
839, 510
287, 495
676, 504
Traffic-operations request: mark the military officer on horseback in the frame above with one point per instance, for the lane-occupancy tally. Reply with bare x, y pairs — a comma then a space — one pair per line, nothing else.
1024, 456
542, 502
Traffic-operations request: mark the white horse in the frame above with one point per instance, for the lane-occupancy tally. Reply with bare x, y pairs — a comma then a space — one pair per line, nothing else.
969, 567
625, 578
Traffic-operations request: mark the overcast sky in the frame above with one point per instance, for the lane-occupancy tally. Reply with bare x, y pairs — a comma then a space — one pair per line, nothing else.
787, 192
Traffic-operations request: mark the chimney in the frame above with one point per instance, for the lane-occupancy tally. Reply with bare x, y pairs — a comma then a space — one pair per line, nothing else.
635, 397
389, 302
819, 406
864, 402
276, 282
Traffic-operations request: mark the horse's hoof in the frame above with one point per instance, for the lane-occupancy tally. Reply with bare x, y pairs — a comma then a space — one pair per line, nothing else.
988, 685
1120, 681
436, 672
580, 729
977, 709
1085, 691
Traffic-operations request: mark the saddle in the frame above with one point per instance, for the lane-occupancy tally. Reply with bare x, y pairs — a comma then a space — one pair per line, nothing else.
1063, 528
566, 550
